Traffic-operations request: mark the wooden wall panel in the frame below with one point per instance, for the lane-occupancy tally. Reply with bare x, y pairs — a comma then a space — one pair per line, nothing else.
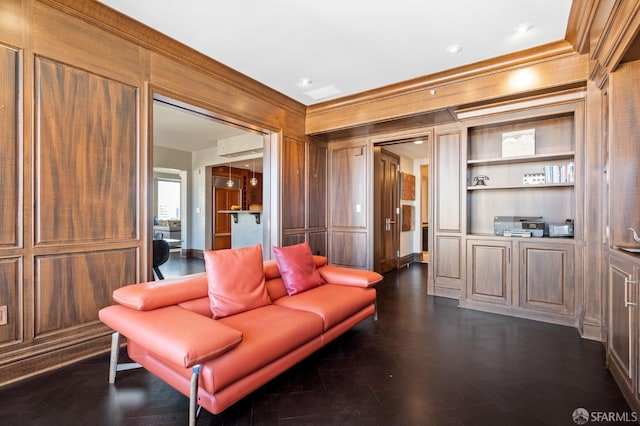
210, 91
9, 147
292, 239
317, 193
349, 249
71, 288
623, 153
448, 263
318, 243
448, 154
86, 156
10, 296
349, 204
70, 40
11, 21
293, 184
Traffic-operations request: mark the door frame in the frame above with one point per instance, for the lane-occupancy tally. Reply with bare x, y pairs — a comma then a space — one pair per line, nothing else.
405, 136
272, 138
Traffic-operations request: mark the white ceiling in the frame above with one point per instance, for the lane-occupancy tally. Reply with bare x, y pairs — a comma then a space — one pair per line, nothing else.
353, 45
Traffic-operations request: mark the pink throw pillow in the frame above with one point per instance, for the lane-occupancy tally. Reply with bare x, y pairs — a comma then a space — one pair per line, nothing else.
297, 268
236, 280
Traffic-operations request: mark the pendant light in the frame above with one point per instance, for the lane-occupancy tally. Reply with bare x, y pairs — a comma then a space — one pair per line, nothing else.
230, 181
253, 181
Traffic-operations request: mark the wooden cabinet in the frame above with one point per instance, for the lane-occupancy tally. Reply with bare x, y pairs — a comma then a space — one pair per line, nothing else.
526, 277
489, 271
547, 277
623, 325
530, 278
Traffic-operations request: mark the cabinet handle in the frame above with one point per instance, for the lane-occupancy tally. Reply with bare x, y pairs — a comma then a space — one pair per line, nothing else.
628, 281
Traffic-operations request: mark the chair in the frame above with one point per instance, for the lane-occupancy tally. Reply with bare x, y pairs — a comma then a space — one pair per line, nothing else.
160, 256
158, 236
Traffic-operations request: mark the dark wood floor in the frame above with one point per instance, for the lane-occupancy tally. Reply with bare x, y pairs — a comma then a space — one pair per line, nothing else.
425, 362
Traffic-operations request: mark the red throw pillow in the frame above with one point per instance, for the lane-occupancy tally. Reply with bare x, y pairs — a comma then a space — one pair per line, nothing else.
236, 280
297, 268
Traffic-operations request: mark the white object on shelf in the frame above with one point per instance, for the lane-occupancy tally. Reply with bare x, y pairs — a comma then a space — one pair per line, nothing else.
518, 144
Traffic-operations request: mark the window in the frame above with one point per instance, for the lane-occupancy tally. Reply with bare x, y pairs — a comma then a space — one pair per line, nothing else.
168, 200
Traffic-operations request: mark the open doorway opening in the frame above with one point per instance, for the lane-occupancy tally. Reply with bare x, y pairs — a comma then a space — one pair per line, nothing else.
204, 151
403, 201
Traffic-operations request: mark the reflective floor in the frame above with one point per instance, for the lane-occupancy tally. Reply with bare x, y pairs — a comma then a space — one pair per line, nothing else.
425, 362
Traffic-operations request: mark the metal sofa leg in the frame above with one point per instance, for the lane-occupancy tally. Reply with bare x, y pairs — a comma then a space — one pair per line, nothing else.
375, 313
114, 367
193, 396
113, 360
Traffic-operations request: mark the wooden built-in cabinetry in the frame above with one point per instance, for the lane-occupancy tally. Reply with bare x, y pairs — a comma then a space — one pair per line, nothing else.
304, 193
623, 352
528, 277
448, 256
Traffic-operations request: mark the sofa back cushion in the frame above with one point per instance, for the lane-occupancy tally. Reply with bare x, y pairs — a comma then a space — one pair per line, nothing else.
236, 280
297, 268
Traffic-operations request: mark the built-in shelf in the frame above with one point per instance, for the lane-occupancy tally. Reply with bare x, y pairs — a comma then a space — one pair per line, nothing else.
526, 159
234, 214
539, 186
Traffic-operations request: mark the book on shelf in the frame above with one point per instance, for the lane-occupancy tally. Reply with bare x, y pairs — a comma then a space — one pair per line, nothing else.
560, 173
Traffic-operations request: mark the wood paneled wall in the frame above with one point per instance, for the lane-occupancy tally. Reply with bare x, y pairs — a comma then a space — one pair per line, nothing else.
77, 83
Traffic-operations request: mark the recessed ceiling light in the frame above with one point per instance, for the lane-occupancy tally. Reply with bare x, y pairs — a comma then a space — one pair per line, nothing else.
305, 81
454, 48
523, 28
323, 92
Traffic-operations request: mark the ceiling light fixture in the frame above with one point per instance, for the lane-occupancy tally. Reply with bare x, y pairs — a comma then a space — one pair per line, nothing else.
230, 181
454, 48
523, 28
253, 181
305, 81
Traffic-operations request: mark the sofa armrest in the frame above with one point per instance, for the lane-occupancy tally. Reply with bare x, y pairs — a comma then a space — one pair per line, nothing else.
173, 333
156, 294
349, 276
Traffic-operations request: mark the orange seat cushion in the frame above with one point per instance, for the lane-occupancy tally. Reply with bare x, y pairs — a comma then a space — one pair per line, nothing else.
268, 333
333, 303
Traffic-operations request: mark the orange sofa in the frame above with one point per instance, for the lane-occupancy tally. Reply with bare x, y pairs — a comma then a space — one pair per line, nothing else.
216, 362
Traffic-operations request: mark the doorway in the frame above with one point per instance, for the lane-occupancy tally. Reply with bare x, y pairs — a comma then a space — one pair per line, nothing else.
184, 137
401, 200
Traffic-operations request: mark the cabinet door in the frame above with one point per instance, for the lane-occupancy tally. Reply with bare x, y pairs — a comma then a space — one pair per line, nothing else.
489, 271
293, 188
317, 186
546, 277
621, 348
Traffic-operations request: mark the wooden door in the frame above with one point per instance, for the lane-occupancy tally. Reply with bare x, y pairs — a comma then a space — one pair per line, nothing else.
223, 199
387, 226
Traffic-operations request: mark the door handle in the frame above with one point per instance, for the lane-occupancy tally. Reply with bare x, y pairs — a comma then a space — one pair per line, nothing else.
387, 223
627, 302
